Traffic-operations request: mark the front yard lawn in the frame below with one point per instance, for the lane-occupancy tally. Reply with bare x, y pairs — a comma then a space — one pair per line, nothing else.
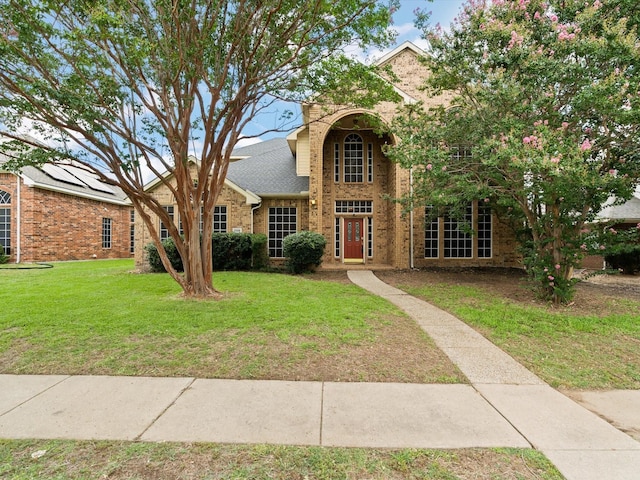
98, 318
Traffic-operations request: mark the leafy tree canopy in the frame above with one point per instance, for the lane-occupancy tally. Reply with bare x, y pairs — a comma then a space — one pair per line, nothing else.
119, 86
543, 121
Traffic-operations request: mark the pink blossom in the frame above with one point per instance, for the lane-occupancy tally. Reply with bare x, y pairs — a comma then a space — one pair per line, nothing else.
429, 166
557, 266
638, 226
586, 145
551, 277
536, 16
612, 172
551, 284
583, 246
554, 160
597, 4
545, 270
612, 230
602, 247
444, 168
553, 18
565, 125
516, 39
526, 140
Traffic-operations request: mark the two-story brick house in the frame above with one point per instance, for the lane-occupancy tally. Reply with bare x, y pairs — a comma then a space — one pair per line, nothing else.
331, 176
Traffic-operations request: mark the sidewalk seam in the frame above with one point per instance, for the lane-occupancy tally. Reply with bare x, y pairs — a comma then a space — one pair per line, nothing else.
321, 413
36, 395
164, 410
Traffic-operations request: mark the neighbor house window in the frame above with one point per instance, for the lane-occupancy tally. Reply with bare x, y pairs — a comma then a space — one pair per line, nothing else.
283, 221
5, 221
106, 233
164, 231
132, 231
353, 158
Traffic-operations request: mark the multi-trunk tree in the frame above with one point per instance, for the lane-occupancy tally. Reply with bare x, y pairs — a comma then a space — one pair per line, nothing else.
121, 87
543, 122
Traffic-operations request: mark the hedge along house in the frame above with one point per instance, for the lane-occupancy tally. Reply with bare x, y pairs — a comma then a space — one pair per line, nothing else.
58, 213
331, 176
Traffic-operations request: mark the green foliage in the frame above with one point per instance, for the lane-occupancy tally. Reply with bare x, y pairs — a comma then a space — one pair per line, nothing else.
303, 251
543, 122
115, 85
619, 246
231, 251
259, 251
153, 257
4, 258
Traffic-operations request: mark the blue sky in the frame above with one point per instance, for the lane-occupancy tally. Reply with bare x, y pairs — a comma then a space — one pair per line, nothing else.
442, 11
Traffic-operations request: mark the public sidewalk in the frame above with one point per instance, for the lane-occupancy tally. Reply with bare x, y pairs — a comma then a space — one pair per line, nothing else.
505, 406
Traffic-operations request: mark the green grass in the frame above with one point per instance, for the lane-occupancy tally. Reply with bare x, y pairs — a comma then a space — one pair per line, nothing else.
120, 460
566, 349
97, 318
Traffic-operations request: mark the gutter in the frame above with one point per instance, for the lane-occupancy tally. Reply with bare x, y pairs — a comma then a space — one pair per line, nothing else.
411, 246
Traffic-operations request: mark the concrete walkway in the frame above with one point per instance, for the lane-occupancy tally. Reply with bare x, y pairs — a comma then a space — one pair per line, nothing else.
505, 406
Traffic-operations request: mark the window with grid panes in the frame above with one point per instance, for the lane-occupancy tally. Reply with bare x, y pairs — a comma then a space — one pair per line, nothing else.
431, 233
5, 221
353, 159
164, 231
106, 233
283, 221
458, 242
484, 231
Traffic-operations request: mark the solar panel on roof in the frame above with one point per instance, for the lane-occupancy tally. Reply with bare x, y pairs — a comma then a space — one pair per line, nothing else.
88, 178
58, 173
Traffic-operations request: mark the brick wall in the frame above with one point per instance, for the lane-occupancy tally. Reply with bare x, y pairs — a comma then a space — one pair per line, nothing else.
57, 227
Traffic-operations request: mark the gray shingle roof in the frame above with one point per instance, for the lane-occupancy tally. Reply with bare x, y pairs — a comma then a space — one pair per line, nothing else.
269, 170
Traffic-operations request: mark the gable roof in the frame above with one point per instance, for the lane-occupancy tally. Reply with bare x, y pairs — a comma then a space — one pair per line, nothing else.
268, 169
69, 179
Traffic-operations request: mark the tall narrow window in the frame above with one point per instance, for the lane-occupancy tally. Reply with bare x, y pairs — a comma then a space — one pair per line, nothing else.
457, 238
353, 158
431, 236
336, 162
484, 231
132, 232
370, 237
5, 221
337, 237
220, 219
370, 162
283, 221
164, 231
106, 233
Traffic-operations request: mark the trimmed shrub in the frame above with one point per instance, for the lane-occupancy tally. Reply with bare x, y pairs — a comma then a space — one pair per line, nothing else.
153, 257
628, 262
303, 251
231, 251
259, 251
3, 258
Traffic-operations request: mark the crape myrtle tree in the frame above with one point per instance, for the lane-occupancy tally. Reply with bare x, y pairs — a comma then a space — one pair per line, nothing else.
542, 124
122, 87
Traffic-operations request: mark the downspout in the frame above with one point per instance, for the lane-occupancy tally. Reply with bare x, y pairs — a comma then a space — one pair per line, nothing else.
253, 209
18, 221
411, 246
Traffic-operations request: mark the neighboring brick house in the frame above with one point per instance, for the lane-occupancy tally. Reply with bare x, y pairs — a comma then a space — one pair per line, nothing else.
57, 213
331, 176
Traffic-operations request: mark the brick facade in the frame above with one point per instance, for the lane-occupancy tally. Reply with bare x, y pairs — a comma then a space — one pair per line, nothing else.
55, 226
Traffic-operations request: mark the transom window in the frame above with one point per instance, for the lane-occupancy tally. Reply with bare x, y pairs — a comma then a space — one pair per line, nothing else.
283, 221
354, 206
353, 158
5, 221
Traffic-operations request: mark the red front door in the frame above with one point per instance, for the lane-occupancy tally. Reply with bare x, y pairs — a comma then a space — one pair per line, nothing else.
353, 239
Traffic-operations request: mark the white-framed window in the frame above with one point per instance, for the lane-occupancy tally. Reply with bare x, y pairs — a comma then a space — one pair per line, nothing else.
283, 221
370, 162
164, 231
106, 233
458, 242
485, 229
132, 231
337, 238
219, 219
370, 237
5, 221
353, 159
354, 206
336, 162
431, 233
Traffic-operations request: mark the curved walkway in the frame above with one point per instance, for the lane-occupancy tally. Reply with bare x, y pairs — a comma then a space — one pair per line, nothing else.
505, 406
